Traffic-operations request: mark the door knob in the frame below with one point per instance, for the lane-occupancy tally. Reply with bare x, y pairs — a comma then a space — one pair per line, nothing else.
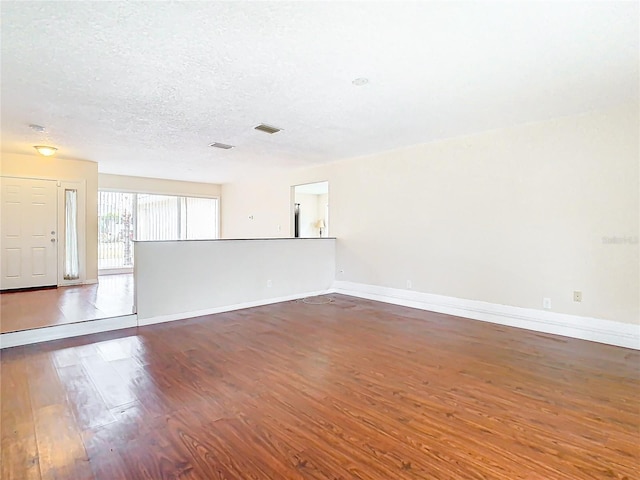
53, 240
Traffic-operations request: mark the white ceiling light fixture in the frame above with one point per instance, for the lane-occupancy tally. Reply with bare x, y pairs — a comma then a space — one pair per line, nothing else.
45, 150
223, 146
358, 82
267, 128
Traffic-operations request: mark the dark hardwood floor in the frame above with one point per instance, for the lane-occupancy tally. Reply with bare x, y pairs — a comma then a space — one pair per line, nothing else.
352, 389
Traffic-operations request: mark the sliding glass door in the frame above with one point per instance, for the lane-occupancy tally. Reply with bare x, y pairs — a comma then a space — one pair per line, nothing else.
115, 230
125, 216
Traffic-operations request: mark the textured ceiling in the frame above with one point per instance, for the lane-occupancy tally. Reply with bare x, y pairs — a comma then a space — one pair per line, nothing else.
143, 87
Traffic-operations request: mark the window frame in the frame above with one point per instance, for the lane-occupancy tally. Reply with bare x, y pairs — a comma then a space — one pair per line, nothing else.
135, 194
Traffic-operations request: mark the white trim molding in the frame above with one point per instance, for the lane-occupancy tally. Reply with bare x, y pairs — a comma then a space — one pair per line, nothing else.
226, 308
91, 281
585, 328
114, 271
56, 332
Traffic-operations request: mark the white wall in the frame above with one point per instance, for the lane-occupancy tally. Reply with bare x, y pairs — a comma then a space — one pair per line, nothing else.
507, 216
36, 166
123, 183
200, 277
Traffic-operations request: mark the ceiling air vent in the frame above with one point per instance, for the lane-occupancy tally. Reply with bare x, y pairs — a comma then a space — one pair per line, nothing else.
224, 146
267, 128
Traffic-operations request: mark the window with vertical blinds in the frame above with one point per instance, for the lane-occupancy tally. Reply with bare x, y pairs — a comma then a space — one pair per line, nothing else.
124, 217
115, 230
163, 217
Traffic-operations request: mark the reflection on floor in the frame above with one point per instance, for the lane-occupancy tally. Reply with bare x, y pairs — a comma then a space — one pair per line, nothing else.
111, 297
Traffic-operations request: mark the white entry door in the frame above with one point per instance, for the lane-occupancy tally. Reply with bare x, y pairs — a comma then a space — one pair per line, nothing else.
29, 233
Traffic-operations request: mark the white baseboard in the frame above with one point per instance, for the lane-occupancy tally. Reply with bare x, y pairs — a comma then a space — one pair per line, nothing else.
115, 271
585, 328
56, 332
90, 281
225, 308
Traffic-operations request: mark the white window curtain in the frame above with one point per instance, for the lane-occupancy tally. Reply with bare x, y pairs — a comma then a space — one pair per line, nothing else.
165, 217
71, 259
199, 216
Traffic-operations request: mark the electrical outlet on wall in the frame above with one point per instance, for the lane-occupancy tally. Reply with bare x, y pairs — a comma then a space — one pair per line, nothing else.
269, 283
577, 296
409, 285
546, 303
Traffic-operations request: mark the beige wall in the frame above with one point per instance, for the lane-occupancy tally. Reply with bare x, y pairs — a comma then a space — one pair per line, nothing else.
507, 216
35, 166
159, 186
257, 209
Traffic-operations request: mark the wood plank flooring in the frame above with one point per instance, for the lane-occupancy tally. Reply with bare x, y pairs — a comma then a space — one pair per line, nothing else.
111, 297
354, 389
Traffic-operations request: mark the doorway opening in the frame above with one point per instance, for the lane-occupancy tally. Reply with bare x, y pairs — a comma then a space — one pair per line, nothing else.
310, 207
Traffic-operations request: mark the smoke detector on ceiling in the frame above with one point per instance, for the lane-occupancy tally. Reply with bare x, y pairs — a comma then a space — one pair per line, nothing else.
267, 128
224, 146
359, 82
